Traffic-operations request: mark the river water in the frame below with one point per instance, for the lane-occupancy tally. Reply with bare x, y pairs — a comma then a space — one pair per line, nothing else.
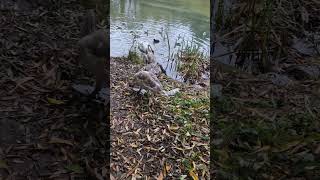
180, 19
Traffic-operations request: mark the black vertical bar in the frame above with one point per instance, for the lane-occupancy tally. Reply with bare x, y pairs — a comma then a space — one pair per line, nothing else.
212, 48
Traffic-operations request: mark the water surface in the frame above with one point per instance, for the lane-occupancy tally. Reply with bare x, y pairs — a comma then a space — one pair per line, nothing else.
188, 19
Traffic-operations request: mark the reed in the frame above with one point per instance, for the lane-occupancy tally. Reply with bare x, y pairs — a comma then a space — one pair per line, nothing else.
192, 61
261, 31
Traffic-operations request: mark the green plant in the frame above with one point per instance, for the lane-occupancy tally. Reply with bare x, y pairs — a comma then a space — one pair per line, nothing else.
133, 51
191, 60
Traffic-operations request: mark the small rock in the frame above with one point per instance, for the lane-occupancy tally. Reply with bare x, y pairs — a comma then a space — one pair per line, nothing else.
83, 89
103, 95
142, 92
172, 92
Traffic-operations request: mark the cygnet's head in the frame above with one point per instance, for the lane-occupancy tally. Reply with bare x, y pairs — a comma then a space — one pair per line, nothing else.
150, 50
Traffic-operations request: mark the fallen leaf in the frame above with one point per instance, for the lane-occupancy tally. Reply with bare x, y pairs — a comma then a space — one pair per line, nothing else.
54, 101
75, 168
287, 146
164, 170
160, 177
55, 140
3, 164
20, 82
57, 174
182, 177
168, 167
133, 145
193, 175
173, 127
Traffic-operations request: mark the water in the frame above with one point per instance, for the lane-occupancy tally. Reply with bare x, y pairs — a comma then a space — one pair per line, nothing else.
188, 19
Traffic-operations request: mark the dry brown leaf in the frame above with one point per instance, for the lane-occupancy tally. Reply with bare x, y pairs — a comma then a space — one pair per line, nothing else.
54, 101
56, 140
137, 132
192, 172
20, 82
193, 175
148, 137
168, 167
160, 177
133, 145
3, 164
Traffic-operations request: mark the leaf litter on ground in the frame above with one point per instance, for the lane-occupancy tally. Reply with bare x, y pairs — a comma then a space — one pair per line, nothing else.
261, 129
45, 125
157, 130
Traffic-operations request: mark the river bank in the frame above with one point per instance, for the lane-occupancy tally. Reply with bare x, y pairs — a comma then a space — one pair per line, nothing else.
165, 137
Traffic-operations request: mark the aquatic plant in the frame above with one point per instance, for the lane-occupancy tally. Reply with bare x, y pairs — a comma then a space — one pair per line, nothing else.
260, 31
133, 51
254, 136
191, 60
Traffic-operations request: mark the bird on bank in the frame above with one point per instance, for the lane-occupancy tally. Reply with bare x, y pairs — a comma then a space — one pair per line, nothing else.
148, 58
147, 81
154, 68
147, 52
94, 51
144, 47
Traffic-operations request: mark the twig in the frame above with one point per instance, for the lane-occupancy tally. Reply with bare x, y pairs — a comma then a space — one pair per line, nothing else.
22, 29
224, 54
